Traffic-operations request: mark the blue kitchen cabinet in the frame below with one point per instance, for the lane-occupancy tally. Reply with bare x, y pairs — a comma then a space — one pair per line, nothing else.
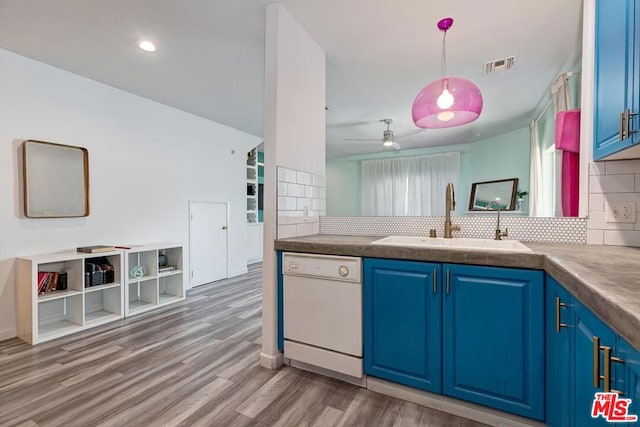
557, 355
629, 377
617, 74
402, 322
585, 372
493, 337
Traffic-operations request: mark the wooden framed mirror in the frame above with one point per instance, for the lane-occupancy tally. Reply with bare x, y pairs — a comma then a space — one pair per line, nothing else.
55, 180
502, 191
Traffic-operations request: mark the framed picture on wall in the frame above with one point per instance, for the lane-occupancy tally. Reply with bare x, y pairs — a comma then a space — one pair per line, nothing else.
55, 180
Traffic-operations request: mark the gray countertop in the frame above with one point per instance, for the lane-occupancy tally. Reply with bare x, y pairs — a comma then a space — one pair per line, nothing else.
604, 278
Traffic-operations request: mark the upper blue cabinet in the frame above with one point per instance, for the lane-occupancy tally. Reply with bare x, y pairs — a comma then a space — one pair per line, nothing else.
617, 91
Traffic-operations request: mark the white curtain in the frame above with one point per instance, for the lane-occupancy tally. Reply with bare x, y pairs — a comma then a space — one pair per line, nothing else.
561, 102
545, 194
535, 177
408, 185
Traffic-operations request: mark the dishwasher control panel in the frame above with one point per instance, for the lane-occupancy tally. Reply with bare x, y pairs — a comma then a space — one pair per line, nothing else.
331, 267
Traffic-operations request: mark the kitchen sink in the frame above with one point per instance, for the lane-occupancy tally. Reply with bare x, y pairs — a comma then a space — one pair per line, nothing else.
454, 243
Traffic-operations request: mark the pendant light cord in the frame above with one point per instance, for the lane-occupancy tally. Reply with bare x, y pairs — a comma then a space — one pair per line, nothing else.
444, 55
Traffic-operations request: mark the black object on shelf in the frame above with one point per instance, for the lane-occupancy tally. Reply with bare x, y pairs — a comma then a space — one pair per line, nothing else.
98, 271
62, 282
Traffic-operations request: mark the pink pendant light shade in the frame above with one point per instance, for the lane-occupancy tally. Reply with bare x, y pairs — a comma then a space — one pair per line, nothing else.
427, 108
449, 101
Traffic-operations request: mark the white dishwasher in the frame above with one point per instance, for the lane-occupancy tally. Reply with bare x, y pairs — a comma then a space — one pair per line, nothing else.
322, 301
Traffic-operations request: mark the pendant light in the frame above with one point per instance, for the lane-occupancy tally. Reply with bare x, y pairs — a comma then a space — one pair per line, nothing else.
448, 101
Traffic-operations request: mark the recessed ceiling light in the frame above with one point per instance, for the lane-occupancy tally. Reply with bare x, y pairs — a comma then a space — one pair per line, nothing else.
147, 46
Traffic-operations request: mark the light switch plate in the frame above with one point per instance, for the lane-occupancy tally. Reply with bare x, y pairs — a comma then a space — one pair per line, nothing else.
621, 212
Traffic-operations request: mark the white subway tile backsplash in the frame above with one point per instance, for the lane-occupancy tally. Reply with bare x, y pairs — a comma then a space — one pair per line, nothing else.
596, 202
612, 184
597, 168
303, 178
622, 238
304, 229
296, 190
285, 231
303, 203
319, 180
286, 203
282, 188
595, 237
323, 193
296, 199
318, 204
282, 173
597, 220
622, 167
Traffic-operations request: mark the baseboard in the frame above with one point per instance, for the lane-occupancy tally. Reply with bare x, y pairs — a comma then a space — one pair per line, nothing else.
269, 361
450, 405
360, 382
7, 334
238, 272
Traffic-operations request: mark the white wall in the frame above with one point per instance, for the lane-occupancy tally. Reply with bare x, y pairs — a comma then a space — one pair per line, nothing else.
613, 181
146, 160
294, 137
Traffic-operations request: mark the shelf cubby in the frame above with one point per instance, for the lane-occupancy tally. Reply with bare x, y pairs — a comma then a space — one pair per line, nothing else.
170, 288
59, 317
103, 305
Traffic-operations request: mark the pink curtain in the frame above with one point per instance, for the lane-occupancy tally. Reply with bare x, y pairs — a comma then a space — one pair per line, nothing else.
568, 140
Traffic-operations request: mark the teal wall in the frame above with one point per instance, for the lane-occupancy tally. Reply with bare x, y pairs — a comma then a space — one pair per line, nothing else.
501, 157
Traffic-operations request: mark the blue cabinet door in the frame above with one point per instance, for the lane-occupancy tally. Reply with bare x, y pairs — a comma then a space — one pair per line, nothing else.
402, 322
493, 338
557, 353
586, 328
616, 74
629, 378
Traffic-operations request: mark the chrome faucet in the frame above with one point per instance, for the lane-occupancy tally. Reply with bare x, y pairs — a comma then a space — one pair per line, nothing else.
450, 204
499, 234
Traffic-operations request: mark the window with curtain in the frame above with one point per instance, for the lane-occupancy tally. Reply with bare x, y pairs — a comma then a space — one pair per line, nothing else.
408, 185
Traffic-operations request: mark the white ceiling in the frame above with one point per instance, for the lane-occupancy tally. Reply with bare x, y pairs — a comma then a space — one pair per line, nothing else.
380, 54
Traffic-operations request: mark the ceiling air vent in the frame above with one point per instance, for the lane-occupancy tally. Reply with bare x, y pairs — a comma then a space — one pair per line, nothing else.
499, 65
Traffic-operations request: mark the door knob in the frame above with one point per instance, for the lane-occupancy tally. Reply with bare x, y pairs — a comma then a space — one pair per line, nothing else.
224, 227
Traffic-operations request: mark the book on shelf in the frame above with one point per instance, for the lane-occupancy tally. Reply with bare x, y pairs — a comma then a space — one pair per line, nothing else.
96, 249
48, 282
166, 269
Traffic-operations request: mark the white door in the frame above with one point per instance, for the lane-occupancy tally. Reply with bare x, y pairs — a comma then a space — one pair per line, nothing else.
207, 242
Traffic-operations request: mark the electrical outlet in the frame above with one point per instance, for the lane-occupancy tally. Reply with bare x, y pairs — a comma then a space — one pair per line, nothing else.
621, 212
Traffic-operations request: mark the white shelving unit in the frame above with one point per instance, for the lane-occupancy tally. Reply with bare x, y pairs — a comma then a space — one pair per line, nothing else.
58, 313
155, 288
252, 186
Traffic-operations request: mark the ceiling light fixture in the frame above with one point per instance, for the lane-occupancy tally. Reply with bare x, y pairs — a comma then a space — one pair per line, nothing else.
448, 101
147, 46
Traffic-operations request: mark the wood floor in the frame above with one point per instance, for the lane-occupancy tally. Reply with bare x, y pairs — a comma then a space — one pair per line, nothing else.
192, 364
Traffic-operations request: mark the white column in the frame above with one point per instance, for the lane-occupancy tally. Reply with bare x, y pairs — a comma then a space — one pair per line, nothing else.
294, 137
